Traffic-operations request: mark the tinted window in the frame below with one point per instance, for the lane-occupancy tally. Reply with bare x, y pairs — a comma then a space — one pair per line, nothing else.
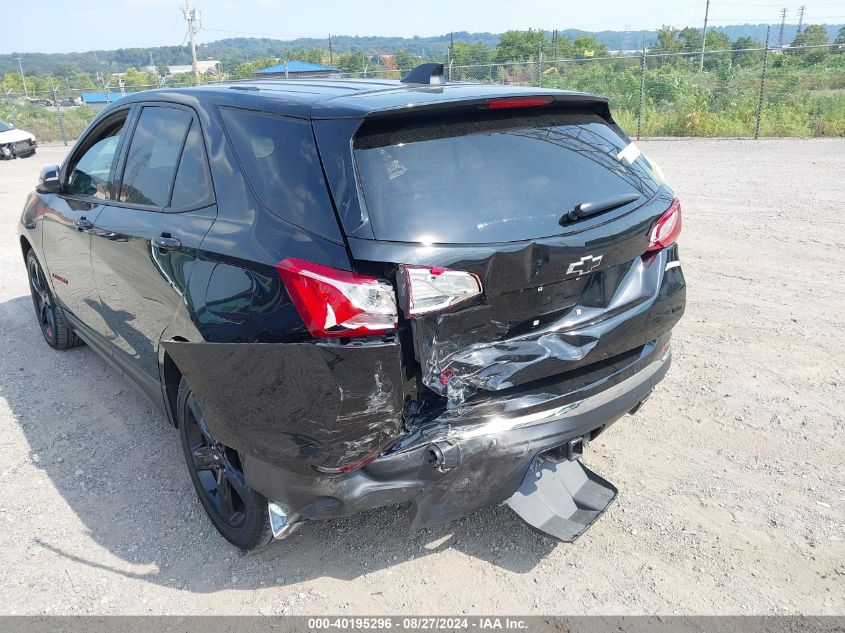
153, 153
280, 159
192, 186
490, 177
89, 176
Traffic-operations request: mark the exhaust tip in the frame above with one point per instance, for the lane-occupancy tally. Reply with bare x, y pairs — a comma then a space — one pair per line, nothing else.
283, 522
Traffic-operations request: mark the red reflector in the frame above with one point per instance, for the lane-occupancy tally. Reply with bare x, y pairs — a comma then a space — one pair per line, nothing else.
350, 467
519, 102
445, 376
666, 230
336, 302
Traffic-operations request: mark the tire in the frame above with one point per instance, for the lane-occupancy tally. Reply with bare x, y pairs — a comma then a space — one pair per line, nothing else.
237, 511
51, 317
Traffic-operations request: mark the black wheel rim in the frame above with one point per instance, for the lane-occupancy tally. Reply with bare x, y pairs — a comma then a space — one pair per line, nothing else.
217, 468
43, 302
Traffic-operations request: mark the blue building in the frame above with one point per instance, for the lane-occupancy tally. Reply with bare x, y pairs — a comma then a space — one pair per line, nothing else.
295, 69
99, 100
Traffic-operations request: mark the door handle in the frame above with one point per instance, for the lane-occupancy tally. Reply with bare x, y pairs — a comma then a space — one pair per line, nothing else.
83, 224
167, 243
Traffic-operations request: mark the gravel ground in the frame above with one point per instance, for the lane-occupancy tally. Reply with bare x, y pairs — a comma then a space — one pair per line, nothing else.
731, 476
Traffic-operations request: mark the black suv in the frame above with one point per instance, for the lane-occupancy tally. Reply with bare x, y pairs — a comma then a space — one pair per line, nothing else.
348, 294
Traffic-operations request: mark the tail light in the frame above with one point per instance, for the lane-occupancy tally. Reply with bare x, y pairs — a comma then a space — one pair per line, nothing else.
666, 230
337, 303
431, 289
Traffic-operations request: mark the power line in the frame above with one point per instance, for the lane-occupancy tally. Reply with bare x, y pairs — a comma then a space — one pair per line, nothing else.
281, 36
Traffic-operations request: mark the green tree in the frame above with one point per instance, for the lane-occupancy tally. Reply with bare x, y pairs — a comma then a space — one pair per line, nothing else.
716, 41
668, 40
405, 60
744, 58
466, 54
583, 45
521, 45
690, 39
82, 81
351, 62
313, 55
12, 82
840, 37
247, 69
135, 79
812, 35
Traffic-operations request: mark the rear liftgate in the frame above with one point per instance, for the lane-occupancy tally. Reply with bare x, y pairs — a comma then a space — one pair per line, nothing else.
561, 499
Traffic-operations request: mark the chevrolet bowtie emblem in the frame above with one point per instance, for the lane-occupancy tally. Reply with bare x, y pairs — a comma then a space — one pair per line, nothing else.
585, 266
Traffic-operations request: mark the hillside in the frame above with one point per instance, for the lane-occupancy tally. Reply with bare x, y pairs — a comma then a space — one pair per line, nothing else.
233, 51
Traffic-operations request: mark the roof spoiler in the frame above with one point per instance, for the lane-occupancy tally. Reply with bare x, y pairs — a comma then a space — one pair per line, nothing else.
425, 74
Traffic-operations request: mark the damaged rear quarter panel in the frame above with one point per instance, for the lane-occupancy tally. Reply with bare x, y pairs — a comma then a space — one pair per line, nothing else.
297, 405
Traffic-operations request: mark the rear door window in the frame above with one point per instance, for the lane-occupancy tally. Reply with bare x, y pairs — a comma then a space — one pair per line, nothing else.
491, 177
153, 155
192, 186
280, 159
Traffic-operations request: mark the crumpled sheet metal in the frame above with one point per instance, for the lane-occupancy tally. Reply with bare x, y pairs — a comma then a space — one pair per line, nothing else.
454, 367
297, 405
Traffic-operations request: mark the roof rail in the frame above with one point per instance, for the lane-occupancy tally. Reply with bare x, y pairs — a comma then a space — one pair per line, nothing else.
425, 74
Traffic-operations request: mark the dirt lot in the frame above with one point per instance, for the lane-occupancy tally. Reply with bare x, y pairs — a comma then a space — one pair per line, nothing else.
732, 476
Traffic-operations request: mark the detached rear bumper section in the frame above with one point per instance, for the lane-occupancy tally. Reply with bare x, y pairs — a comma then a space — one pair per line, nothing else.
457, 466
457, 463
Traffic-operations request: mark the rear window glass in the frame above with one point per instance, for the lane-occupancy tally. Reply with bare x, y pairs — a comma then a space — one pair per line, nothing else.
153, 153
490, 177
192, 186
281, 163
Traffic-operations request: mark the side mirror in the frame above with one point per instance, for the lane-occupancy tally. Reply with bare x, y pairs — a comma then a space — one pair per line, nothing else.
49, 181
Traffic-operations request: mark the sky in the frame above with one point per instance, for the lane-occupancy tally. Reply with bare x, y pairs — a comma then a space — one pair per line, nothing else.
60, 26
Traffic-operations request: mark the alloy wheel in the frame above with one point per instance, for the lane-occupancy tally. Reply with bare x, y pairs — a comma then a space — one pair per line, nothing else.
217, 467
42, 300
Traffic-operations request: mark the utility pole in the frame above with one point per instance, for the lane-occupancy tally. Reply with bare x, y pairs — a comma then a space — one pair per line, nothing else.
23, 79
704, 36
801, 17
192, 17
58, 105
331, 56
782, 25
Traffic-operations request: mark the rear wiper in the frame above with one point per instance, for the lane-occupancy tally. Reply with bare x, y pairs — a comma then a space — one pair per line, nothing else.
591, 208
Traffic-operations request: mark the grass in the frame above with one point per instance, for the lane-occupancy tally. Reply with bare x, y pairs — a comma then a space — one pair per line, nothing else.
43, 121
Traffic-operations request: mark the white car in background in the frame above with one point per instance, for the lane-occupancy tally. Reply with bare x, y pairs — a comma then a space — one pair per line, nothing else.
15, 143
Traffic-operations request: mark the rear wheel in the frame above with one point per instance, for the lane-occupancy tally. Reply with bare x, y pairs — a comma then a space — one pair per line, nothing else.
51, 318
237, 511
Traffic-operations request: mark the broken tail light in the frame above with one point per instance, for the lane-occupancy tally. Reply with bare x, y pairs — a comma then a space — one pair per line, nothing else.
666, 230
432, 289
338, 303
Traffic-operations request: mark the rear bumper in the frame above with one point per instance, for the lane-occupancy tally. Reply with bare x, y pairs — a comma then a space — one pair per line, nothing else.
469, 458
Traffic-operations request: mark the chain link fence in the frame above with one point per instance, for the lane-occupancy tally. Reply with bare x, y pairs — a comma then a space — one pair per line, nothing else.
798, 91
